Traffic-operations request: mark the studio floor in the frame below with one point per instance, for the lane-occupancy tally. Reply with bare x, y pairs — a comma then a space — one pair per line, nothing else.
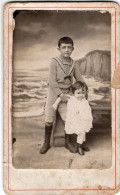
29, 134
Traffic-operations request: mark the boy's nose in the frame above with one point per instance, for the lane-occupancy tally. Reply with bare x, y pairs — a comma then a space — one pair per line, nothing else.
66, 49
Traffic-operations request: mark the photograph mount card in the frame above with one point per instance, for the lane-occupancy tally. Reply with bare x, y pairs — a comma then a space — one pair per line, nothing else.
61, 115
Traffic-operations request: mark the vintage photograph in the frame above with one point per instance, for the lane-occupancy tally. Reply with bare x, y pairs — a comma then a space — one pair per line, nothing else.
61, 90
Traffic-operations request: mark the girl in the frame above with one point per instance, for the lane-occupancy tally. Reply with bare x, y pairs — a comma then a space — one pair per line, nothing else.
79, 116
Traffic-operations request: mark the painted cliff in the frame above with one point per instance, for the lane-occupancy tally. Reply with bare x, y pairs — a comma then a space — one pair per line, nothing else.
96, 63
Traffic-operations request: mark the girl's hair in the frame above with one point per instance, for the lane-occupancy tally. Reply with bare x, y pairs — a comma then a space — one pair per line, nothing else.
79, 85
66, 40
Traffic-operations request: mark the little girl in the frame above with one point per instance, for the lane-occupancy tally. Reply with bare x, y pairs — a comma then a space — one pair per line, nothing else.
79, 116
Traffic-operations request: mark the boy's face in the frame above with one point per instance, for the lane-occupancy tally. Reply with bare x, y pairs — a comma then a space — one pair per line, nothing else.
66, 49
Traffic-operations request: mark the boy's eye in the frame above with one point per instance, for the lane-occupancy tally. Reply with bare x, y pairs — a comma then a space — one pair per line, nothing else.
64, 47
69, 47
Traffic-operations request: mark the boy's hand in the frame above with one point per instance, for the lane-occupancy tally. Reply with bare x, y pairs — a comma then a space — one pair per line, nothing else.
63, 97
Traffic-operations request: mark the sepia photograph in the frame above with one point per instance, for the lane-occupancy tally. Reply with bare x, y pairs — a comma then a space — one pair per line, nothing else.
61, 92
61, 98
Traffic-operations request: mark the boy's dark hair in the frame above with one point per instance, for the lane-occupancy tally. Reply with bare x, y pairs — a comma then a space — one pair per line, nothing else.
66, 40
79, 85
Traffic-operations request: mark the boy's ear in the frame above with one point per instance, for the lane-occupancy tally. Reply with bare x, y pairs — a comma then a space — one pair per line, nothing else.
58, 49
73, 48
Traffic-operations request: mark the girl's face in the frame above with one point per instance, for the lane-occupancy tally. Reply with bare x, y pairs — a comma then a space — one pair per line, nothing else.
80, 94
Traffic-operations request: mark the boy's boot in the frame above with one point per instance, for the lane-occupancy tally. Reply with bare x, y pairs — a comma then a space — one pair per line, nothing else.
68, 143
46, 145
80, 149
85, 148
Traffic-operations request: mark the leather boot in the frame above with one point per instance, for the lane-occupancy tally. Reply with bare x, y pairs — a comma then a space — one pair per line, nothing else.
68, 143
46, 145
85, 148
80, 149
74, 142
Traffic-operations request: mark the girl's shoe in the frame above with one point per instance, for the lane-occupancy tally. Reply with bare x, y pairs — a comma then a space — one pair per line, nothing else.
80, 149
85, 148
69, 145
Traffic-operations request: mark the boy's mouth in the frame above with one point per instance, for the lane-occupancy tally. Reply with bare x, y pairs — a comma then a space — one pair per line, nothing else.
67, 54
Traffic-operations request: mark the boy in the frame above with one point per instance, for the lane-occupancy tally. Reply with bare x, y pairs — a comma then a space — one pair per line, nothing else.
61, 72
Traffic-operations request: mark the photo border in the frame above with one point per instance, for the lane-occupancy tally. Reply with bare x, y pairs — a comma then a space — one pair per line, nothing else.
9, 96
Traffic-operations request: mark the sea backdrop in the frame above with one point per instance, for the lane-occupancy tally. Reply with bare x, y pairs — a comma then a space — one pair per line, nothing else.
30, 91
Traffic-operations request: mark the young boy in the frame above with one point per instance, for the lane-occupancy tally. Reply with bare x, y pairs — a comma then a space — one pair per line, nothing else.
61, 72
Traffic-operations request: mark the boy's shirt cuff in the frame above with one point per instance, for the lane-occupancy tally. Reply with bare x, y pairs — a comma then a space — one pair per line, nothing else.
58, 92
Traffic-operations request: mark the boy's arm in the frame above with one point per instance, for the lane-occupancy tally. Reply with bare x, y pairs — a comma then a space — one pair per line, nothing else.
77, 73
58, 100
52, 78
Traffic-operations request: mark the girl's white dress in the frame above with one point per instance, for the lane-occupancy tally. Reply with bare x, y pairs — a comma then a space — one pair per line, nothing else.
79, 116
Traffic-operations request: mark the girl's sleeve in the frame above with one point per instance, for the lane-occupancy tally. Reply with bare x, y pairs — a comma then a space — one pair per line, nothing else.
85, 112
71, 110
89, 111
52, 78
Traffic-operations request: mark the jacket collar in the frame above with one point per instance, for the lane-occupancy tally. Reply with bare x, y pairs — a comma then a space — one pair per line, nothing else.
63, 61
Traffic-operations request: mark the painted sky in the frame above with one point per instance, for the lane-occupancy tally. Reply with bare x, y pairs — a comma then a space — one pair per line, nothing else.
37, 32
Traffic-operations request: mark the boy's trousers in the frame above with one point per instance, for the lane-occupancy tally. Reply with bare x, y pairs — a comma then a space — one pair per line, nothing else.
50, 114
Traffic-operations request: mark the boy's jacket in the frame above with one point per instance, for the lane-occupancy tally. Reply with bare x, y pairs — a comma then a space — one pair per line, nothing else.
58, 79
59, 82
